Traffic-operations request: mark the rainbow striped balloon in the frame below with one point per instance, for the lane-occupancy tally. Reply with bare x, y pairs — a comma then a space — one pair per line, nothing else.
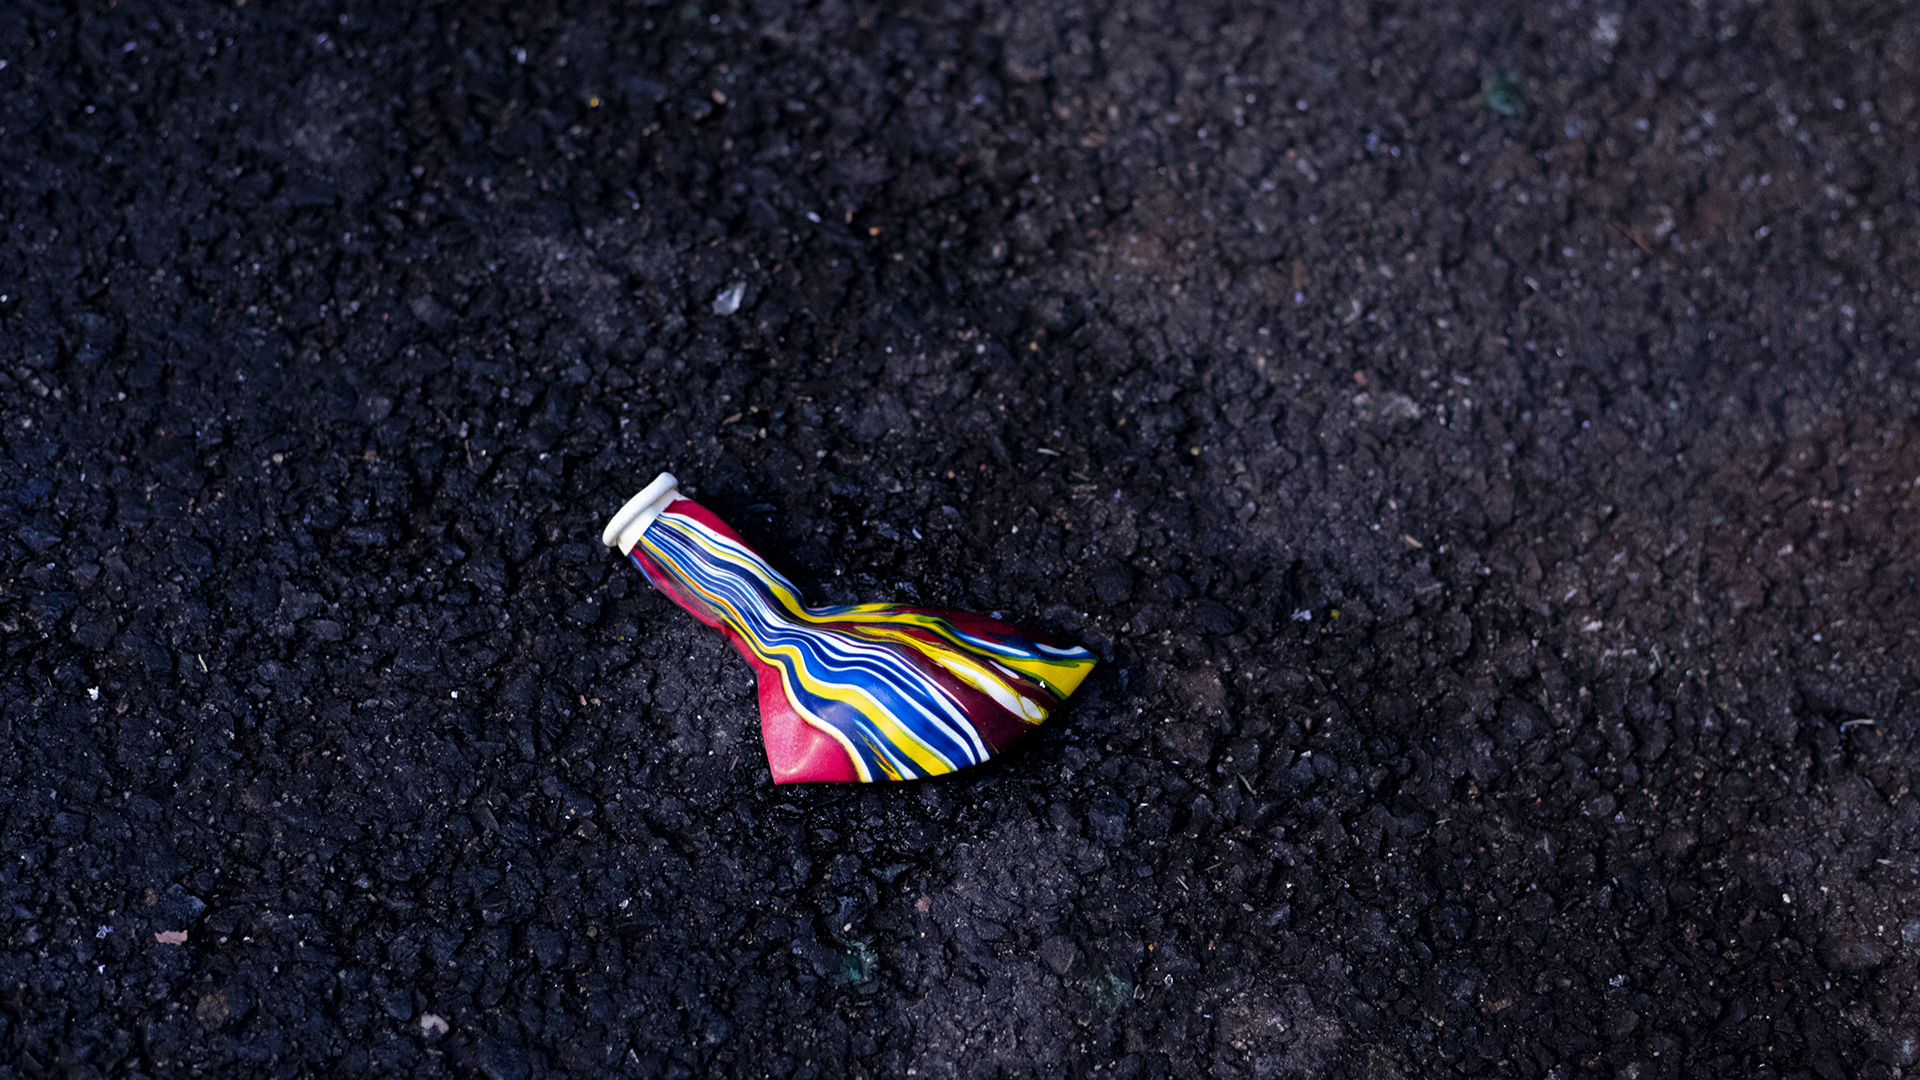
858, 692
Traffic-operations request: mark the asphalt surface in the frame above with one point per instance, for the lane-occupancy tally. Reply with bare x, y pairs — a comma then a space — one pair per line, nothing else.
1480, 441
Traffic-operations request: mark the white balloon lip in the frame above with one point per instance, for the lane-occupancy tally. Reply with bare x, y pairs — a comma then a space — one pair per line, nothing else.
624, 530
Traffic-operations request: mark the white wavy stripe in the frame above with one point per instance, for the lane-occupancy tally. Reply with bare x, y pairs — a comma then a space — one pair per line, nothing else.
1075, 652
1014, 702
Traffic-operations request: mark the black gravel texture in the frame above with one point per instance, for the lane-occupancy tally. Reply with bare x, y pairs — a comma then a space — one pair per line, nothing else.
1480, 439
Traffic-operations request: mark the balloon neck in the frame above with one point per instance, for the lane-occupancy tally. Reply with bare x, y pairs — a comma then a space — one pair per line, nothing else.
625, 529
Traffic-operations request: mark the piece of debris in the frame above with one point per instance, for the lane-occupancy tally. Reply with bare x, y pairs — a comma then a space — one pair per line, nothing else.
171, 937
1502, 93
729, 299
432, 1024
